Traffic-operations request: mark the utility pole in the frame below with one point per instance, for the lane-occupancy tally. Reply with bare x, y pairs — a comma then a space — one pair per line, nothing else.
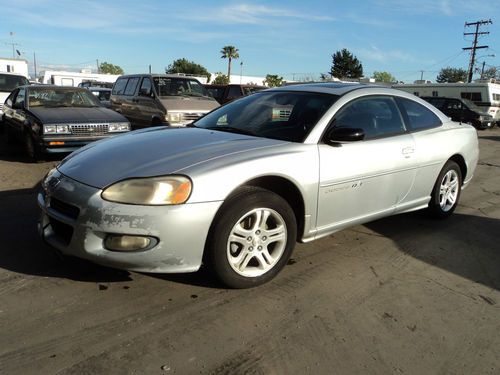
422, 75
97, 61
34, 62
475, 47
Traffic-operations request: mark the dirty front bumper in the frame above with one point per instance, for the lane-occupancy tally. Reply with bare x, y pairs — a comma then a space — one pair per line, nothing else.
76, 221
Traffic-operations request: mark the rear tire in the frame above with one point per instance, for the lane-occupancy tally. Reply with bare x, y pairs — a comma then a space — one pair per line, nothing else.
252, 238
446, 192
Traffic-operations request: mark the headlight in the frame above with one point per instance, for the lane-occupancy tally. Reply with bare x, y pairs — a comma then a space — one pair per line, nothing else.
485, 118
154, 191
119, 127
56, 129
174, 117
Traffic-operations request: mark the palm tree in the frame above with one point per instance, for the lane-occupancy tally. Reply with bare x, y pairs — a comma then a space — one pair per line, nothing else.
229, 52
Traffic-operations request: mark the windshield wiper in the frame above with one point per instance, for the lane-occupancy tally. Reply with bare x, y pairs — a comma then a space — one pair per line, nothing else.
230, 129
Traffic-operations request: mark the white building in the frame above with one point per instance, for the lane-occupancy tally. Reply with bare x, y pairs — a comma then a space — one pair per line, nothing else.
16, 66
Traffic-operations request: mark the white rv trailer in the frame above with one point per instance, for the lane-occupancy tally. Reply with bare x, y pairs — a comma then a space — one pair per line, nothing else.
63, 78
485, 94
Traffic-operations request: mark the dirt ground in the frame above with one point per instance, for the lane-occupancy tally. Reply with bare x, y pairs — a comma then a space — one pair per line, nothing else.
402, 295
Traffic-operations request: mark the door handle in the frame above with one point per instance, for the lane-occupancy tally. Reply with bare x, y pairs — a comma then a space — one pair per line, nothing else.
408, 150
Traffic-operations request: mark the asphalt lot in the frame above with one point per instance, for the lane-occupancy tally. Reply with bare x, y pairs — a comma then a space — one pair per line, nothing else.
404, 295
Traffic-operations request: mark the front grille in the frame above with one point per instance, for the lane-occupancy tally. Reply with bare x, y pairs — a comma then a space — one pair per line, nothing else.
192, 116
64, 208
63, 231
89, 129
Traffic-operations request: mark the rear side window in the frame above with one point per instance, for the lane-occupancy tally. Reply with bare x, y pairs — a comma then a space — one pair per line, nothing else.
418, 116
234, 92
131, 86
119, 87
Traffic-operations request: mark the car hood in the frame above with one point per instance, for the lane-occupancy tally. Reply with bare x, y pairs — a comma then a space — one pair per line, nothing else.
189, 103
154, 152
73, 114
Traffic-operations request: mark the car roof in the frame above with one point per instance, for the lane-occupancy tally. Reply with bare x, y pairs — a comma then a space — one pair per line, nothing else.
42, 86
98, 88
335, 88
157, 75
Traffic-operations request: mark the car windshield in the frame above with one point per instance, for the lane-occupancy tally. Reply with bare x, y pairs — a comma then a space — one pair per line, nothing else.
172, 86
472, 106
61, 97
287, 116
9, 82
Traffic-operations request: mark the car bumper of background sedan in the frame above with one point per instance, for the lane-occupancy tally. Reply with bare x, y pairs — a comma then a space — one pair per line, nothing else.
67, 144
76, 221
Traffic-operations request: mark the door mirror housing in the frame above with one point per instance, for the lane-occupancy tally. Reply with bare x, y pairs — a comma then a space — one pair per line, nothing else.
336, 135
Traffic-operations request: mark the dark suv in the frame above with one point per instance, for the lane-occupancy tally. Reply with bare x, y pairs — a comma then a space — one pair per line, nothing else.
226, 93
462, 110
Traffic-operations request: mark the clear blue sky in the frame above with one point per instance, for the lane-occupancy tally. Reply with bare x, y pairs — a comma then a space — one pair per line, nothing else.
290, 38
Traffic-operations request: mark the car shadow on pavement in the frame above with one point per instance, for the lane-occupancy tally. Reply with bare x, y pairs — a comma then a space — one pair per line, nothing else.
464, 245
15, 152
491, 137
22, 251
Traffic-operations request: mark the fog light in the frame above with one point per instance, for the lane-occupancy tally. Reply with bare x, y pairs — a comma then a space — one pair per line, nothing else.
118, 242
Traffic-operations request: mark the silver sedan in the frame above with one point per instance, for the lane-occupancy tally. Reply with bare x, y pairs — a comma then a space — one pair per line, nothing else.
239, 187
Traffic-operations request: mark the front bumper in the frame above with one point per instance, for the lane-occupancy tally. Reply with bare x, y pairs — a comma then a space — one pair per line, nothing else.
62, 143
76, 220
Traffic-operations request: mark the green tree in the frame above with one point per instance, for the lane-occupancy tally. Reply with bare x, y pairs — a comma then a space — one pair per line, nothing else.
491, 73
230, 53
451, 75
109, 68
221, 79
273, 80
346, 65
384, 77
187, 67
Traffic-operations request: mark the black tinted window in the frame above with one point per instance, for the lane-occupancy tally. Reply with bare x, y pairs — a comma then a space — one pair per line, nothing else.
119, 87
146, 86
131, 86
378, 116
9, 82
234, 92
419, 117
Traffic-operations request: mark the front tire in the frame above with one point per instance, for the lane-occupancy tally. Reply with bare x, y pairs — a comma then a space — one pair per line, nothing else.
31, 148
446, 192
252, 238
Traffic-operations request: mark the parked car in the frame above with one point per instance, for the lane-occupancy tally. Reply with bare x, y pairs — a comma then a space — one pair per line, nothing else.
157, 99
103, 94
462, 110
237, 188
8, 82
50, 119
227, 93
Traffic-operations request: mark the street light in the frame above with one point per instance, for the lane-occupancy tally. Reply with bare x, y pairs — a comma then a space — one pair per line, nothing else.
241, 71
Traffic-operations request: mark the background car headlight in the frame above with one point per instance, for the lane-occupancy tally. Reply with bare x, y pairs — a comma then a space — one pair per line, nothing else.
150, 191
119, 127
174, 117
485, 118
56, 129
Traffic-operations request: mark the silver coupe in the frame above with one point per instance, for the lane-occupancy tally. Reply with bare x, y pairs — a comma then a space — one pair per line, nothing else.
237, 188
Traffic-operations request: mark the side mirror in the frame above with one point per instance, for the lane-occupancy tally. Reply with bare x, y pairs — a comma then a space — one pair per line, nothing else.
336, 135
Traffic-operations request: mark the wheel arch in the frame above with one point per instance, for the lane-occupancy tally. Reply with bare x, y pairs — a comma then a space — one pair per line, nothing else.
287, 190
459, 159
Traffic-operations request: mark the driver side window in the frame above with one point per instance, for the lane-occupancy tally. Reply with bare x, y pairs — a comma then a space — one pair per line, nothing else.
20, 99
377, 116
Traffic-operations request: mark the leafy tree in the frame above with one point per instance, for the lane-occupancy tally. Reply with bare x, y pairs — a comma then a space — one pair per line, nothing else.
451, 75
384, 77
272, 80
109, 68
491, 73
346, 65
221, 79
229, 52
187, 67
